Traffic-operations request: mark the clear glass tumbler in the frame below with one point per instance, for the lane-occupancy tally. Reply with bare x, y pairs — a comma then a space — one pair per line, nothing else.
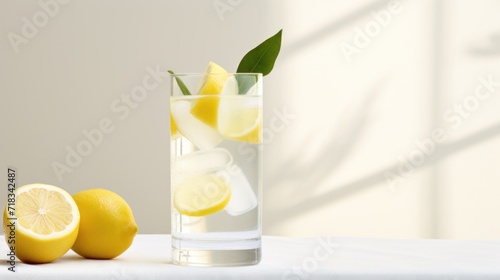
216, 169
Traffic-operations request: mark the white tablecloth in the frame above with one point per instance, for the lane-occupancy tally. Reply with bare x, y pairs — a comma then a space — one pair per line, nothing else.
286, 258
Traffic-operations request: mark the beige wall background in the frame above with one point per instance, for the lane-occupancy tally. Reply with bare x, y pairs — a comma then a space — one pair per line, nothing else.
387, 111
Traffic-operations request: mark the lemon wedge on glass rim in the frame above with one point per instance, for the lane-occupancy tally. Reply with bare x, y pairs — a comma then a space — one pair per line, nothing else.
205, 109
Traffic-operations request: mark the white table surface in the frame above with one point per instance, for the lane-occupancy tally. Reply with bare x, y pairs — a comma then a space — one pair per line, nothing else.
286, 258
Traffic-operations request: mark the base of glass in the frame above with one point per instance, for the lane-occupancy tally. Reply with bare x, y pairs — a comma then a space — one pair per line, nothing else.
216, 257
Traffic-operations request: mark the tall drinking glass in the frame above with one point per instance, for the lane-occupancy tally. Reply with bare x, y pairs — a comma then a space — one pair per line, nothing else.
216, 169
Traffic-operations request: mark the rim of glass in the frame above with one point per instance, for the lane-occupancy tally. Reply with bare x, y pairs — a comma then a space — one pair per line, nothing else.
214, 74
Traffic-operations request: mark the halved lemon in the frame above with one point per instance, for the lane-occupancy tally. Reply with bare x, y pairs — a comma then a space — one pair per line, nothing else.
205, 109
201, 195
46, 224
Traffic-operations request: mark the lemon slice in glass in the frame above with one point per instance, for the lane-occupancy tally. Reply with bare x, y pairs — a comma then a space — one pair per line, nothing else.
201, 195
239, 116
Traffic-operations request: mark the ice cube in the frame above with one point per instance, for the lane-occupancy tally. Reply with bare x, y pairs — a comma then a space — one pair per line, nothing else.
243, 198
231, 87
201, 135
203, 161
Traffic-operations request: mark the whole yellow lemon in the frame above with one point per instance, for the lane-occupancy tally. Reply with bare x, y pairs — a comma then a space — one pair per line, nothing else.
107, 225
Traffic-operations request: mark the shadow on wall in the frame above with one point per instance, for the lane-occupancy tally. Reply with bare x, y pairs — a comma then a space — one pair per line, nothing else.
316, 173
335, 26
343, 140
311, 174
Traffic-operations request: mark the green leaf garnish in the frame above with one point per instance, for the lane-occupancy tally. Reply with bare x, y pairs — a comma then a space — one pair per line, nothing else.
261, 59
182, 86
